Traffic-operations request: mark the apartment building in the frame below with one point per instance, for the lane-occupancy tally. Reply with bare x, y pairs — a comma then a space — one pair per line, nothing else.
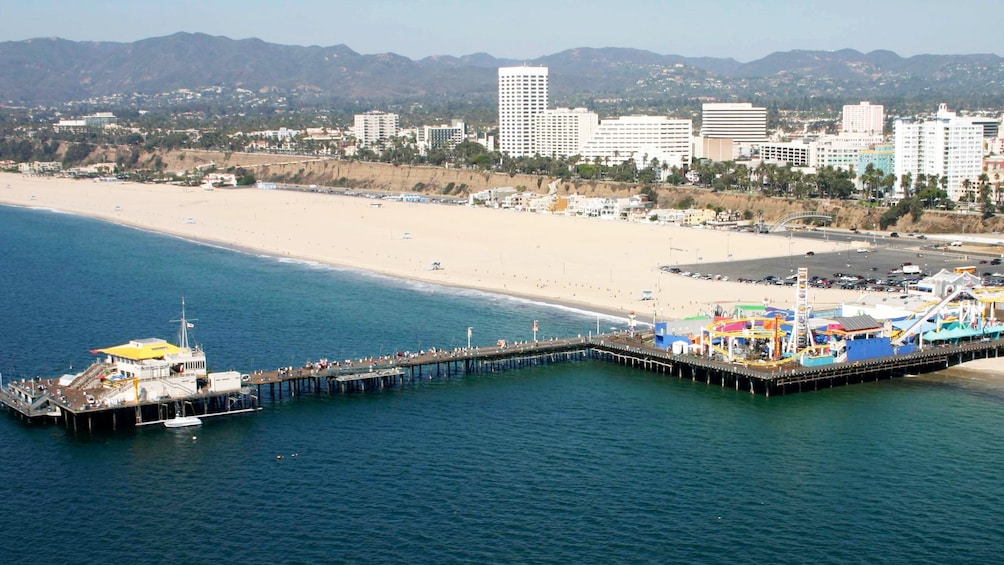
947, 145
642, 138
374, 127
445, 135
863, 117
522, 95
562, 132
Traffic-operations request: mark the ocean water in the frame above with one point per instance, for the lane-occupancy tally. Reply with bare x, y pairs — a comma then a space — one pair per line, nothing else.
579, 463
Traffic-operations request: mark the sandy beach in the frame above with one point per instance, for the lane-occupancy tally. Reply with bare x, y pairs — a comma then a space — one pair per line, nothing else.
596, 265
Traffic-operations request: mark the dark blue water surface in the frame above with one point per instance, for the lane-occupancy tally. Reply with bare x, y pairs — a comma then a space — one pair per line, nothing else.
585, 462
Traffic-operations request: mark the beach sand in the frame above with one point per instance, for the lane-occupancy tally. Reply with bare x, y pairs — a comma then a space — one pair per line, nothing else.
989, 366
596, 265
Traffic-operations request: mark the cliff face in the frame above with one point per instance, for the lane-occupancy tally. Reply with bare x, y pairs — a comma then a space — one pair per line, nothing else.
434, 181
381, 176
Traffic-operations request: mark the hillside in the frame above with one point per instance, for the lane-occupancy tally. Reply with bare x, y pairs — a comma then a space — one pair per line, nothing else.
52, 70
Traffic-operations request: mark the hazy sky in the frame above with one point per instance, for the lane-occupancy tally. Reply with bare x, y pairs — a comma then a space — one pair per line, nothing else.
526, 29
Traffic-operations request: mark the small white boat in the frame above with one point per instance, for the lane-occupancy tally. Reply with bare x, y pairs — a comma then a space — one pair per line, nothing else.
182, 422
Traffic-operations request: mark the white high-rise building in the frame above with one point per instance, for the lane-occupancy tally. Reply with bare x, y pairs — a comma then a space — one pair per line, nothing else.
373, 127
641, 138
948, 146
445, 135
741, 122
864, 117
562, 132
522, 94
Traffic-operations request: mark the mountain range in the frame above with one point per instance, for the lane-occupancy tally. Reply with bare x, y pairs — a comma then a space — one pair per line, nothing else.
52, 70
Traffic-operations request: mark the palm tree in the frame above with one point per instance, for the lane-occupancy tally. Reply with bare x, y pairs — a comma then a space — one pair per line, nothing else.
742, 177
869, 178
887, 183
905, 182
761, 171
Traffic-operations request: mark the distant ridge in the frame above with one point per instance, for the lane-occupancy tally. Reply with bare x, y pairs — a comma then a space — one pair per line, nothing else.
53, 70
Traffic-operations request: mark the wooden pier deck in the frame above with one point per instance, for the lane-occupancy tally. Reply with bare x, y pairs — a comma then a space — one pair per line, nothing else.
70, 410
621, 348
631, 350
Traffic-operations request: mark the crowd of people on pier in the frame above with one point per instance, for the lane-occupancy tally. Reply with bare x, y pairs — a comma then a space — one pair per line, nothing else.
326, 366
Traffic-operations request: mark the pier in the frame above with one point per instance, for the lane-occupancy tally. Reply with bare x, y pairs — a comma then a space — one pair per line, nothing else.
37, 400
624, 349
634, 350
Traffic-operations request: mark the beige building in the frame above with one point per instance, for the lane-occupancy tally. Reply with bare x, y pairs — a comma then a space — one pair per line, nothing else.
863, 117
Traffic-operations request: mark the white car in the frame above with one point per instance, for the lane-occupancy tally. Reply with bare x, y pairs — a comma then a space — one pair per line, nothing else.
956, 244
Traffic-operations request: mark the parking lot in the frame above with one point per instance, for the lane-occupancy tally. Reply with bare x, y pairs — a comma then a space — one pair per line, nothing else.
878, 267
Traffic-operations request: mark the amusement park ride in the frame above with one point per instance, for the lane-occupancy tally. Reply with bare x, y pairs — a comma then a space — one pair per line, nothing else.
775, 337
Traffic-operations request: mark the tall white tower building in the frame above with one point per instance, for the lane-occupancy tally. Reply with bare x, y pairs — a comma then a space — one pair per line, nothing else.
522, 95
948, 146
865, 117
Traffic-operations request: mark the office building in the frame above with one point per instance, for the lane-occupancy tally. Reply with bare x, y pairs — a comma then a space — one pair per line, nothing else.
743, 123
795, 153
991, 126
